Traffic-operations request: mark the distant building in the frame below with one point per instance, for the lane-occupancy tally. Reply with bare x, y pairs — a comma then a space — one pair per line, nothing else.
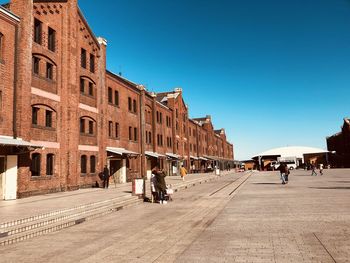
339, 145
298, 155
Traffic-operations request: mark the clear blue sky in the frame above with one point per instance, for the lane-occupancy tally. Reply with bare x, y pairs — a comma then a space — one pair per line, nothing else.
272, 73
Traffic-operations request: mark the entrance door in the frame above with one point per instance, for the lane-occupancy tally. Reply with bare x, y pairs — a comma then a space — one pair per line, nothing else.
115, 168
2, 176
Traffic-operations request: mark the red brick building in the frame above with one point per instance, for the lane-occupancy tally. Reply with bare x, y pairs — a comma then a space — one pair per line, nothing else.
339, 146
63, 115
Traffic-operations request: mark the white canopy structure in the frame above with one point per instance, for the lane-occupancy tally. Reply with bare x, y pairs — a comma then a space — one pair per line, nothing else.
295, 151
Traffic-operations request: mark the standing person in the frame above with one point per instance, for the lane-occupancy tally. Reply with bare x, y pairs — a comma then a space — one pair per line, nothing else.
160, 184
183, 172
106, 177
313, 168
321, 169
282, 169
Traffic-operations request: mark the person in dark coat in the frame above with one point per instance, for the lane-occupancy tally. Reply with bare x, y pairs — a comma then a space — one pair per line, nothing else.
106, 177
283, 168
160, 184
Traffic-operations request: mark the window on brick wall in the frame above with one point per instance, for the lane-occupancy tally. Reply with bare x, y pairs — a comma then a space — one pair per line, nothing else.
150, 137
130, 133
83, 58
117, 130
49, 164
91, 89
116, 98
92, 164
135, 134
35, 111
110, 128
49, 71
91, 127
82, 85
1, 46
0, 103
82, 125
110, 95
48, 118
160, 117
134, 106
51, 41
92, 63
36, 65
35, 164
130, 104
38, 31
83, 164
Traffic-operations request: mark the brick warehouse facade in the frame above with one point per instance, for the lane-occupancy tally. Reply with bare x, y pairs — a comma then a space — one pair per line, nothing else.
63, 115
339, 145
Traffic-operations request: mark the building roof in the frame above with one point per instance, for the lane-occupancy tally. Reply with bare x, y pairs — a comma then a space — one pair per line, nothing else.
4, 9
162, 97
291, 151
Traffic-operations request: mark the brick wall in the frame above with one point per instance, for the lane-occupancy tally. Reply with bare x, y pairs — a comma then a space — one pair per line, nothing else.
73, 90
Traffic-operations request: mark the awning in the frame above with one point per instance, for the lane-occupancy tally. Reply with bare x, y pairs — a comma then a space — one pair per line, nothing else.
7, 141
209, 158
174, 156
120, 151
203, 159
193, 157
155, 155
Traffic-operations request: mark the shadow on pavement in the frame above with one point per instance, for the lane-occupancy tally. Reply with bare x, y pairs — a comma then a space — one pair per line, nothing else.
331, 188
267, 183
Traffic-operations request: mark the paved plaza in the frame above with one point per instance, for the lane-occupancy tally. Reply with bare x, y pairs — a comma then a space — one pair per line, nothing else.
241, 217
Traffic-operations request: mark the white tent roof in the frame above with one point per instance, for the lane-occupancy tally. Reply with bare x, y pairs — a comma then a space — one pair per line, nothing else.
291, 151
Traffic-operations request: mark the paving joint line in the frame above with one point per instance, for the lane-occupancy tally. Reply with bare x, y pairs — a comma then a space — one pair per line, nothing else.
325, 248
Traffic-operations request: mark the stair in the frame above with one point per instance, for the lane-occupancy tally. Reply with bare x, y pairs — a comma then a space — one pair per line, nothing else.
26, 228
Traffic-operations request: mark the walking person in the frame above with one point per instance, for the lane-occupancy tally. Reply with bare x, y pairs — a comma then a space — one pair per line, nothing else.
183, 172
321, 169
106, 177
313, 168
282, 168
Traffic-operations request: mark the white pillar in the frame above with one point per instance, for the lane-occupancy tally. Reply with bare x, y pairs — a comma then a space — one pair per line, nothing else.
10, 182
123, 172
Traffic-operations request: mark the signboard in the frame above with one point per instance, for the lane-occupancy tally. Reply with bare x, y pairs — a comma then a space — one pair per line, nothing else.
137, 187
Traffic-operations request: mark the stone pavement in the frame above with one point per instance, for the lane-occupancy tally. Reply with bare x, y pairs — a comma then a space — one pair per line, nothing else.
36, 205
307, 220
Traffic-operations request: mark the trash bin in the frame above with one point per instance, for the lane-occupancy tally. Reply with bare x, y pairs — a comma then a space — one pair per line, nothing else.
217, 171
137, 186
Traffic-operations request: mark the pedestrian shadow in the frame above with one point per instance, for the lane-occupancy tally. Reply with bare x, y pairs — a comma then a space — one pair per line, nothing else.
343, 182
267, 183
332, 188
128, 192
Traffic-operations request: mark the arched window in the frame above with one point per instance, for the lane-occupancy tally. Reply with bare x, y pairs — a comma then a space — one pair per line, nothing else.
92, 164
35, 165
87, 126
83, 163
49, 164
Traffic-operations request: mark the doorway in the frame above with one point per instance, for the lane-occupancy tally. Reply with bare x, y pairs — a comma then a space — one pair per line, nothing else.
115, 169
2, 177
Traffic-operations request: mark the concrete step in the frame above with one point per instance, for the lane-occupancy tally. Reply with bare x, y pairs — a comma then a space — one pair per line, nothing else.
63, 219
26, 220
